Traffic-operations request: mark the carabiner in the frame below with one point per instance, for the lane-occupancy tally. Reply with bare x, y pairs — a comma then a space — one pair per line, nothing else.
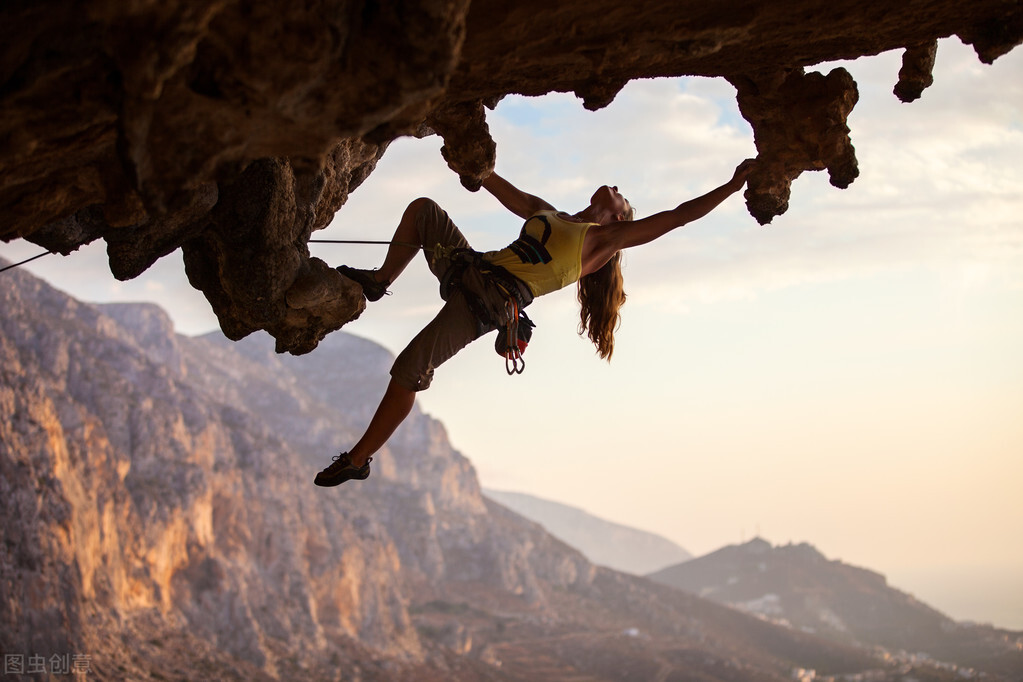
514, 363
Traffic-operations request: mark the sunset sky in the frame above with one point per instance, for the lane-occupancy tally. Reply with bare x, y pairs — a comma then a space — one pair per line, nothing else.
850, 375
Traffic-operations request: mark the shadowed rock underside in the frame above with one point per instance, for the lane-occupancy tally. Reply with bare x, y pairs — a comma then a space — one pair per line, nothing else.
234, 130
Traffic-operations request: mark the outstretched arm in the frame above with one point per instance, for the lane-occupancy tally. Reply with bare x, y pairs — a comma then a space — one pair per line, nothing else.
617, 236
603, 242
515, 200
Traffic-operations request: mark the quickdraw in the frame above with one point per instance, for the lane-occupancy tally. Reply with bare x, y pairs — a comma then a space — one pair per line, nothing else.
514, 336
512, 351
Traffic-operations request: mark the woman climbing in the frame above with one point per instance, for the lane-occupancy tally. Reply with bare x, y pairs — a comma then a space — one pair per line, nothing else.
486, 291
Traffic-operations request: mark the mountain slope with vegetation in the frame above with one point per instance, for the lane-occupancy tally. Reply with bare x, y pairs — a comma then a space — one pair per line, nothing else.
796, 586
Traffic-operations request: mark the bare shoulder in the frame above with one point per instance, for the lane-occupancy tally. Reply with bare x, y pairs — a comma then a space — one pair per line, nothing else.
611, 235
599, 245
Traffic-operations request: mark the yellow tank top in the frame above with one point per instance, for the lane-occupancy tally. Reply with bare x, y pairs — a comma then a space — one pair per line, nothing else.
548, 253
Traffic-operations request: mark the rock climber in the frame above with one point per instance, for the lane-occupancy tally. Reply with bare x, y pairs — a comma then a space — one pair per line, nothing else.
486, 291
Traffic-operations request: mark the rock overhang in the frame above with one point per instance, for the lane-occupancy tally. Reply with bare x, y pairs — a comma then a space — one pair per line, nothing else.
234, 131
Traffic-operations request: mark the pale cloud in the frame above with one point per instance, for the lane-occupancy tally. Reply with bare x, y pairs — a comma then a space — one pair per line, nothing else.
657, 142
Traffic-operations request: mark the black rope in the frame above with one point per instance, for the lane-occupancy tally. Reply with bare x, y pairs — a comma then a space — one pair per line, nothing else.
311, 241
362, 241
27, 260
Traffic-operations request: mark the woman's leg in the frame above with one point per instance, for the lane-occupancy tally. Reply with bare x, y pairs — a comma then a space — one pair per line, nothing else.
394, 407
405, 243
452, 329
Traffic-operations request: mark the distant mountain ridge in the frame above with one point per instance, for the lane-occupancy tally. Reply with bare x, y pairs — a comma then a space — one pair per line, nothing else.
157, 514
605, 543
797, 586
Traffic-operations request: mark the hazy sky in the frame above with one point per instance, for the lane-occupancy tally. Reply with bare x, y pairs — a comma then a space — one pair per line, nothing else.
850, 375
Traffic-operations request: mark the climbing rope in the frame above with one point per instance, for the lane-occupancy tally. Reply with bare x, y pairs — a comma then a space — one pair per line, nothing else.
362, 241
27, 260
311, 241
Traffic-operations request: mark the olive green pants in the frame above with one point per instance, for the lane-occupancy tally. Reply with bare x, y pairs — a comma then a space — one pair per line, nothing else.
455, 326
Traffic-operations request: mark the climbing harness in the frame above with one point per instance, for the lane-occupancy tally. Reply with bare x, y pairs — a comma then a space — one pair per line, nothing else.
479, 280
484, 284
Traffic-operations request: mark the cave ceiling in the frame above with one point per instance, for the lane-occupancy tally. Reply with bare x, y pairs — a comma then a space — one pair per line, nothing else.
234, 130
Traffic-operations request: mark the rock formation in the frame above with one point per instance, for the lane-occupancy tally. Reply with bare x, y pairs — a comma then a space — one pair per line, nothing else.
233, 131
157, 516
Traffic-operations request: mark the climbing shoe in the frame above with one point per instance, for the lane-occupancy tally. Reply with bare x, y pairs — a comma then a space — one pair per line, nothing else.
371, 289
341, 470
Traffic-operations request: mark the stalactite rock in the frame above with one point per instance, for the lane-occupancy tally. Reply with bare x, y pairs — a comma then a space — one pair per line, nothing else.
184, 124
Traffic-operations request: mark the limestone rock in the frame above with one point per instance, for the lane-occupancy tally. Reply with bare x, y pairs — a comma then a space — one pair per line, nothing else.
798, 124
915, 74
468, 147
234, 130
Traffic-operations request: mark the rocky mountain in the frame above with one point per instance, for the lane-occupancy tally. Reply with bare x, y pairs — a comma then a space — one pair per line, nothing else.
234, 130
796, 586
602, 542
157, 520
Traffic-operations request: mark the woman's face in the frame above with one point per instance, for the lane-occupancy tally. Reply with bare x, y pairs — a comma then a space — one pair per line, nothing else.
610, 198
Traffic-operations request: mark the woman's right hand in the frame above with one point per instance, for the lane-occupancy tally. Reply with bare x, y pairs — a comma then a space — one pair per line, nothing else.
742, 172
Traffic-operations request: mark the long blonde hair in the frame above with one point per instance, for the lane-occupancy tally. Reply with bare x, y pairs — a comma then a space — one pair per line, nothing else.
601, 296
